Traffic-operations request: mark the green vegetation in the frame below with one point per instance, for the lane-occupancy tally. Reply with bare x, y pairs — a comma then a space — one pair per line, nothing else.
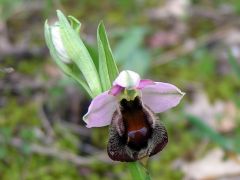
204, 67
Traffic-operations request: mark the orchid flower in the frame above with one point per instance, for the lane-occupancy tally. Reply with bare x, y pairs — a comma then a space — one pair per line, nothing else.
130, 108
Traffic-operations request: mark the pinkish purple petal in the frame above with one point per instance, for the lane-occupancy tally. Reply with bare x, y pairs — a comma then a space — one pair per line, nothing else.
101, 110
161, 96
115, 90
145, 82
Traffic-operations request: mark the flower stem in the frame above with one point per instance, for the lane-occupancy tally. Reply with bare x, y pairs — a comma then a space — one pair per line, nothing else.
138, 172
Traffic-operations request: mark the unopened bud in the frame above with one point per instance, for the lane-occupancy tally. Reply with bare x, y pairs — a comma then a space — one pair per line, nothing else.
58, 44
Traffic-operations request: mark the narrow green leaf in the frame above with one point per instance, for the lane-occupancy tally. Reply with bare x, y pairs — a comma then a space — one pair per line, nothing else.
79, 54
138, 172
141, 57
93, 52
64, 67
130, 53
233, 62
76, 25
130, 41
211, 134
102, 64
107, 67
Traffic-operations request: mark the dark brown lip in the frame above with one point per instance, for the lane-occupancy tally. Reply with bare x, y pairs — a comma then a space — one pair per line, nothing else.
137, 127
135, 132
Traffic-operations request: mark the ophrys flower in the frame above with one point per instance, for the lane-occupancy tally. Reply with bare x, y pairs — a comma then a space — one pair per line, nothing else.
129, 108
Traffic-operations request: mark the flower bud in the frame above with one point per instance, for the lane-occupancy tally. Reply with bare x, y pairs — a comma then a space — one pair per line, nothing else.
58, 44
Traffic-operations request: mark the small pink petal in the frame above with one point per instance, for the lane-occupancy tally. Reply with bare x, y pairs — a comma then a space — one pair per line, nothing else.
115, 90
161, 96
101, 110
145, 82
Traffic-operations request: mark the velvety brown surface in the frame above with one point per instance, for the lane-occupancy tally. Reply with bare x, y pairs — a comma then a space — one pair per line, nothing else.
137, 129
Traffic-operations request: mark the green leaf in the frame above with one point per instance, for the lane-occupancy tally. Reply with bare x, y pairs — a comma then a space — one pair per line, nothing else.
233, 62
131, 40
138, 172
211, 134
64, 67
76, 25
79, 54
138, 61
107, 67
130, 53
93, 52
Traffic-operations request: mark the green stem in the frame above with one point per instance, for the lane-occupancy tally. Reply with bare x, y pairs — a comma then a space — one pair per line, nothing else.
138, 172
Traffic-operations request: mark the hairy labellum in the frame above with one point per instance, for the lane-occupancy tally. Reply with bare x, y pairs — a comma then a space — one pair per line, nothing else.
135, 132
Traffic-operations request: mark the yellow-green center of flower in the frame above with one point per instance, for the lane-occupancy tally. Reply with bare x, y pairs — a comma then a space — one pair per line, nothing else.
129, 95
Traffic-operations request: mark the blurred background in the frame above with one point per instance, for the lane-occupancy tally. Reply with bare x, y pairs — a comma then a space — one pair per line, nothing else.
190, 43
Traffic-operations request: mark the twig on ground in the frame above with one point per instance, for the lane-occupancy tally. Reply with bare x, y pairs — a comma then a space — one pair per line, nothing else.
59, 154
79, 130
46, 124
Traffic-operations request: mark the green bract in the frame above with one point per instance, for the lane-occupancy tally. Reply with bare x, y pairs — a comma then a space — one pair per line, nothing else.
81, 67
107, 68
